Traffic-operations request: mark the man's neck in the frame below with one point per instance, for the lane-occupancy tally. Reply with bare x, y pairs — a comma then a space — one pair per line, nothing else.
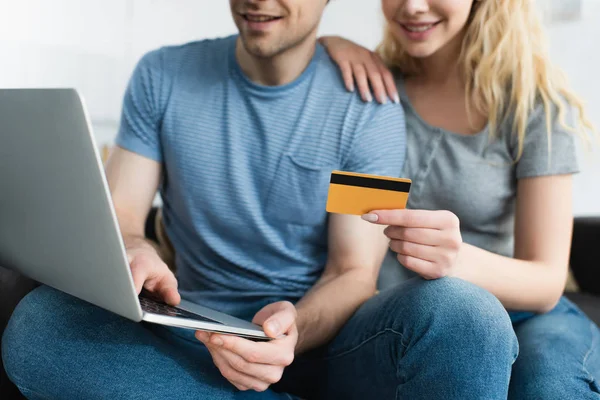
279, 70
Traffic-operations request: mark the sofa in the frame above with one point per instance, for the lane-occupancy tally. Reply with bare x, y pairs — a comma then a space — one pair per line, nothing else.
585, 267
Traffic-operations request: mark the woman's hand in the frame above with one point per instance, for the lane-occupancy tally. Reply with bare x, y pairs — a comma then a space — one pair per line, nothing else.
427, 242
363, 66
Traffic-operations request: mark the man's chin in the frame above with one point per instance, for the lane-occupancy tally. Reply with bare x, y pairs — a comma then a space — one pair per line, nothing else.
261, 50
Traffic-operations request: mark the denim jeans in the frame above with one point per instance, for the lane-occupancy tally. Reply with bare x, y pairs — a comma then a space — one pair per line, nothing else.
559, 355
443, 339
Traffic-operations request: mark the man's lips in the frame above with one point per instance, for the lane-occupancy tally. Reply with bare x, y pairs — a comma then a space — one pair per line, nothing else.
259, 18
257, 22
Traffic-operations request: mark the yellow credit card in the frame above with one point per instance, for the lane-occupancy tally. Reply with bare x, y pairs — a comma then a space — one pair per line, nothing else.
358, 194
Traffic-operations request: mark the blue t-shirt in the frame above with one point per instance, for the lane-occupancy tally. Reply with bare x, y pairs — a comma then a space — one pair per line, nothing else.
246, 167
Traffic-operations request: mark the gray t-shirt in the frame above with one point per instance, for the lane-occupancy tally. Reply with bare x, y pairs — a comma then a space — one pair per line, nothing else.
475, 176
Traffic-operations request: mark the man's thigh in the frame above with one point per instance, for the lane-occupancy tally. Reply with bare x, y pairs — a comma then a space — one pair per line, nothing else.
57, 346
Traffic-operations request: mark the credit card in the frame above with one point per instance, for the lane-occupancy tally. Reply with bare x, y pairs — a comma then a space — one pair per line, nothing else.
358, 194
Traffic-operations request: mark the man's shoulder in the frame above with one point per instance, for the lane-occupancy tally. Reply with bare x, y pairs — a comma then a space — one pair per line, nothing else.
329, 84
328, 75
204, 52
208, 47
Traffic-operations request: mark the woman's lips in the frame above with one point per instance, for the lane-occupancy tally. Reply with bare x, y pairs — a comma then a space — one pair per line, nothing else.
418, 31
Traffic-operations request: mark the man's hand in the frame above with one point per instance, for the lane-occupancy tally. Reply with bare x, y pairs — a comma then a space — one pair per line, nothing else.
252, 365
133, 181
151, 273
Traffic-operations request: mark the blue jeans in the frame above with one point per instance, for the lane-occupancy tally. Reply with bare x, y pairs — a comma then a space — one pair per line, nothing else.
559, 355
443, 339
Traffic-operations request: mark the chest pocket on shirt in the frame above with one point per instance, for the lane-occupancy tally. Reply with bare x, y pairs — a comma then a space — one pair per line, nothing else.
298, 194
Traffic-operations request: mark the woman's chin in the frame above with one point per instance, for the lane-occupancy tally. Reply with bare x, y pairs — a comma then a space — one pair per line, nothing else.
420, 51
417, 50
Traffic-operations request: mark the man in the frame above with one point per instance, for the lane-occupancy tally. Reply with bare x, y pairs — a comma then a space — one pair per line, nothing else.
240, 134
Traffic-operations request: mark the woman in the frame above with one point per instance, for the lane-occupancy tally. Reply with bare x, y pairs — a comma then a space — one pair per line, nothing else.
488, 140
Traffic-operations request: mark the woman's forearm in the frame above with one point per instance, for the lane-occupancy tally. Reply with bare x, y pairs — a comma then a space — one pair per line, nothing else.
518, 284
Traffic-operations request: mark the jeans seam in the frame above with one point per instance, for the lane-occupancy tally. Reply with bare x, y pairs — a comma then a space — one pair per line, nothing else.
590, 377
358, 346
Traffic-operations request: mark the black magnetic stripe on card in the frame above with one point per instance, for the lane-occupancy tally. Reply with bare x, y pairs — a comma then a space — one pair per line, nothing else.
372, 183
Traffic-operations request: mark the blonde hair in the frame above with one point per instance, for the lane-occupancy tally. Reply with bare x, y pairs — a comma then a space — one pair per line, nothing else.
506, 68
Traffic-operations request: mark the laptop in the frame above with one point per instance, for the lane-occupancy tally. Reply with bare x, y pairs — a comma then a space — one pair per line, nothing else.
57, 221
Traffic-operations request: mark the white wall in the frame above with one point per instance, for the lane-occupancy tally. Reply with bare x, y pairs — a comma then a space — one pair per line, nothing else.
94, 44
574, 47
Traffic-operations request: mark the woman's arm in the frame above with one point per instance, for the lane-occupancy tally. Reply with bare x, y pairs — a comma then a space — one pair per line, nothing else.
363, 66
429, 243
535, 279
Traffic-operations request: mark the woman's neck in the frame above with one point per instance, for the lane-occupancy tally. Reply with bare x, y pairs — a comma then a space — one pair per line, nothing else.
442, 67
438, 93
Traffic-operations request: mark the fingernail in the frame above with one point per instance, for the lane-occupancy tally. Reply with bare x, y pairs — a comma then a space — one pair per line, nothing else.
370, 217
202, 336
383, 99
396, 98
352, 88
273, 326
369, 98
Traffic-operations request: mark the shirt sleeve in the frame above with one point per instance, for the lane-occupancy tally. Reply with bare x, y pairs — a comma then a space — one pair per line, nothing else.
141, 116
379, 146
543, 155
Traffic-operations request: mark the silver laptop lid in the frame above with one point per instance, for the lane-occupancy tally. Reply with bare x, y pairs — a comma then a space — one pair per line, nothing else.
57, 221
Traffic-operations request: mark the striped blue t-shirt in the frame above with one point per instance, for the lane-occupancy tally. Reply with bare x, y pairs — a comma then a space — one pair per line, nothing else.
246, 167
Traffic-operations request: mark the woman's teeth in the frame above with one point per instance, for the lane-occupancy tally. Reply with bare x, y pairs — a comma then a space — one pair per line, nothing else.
421, 28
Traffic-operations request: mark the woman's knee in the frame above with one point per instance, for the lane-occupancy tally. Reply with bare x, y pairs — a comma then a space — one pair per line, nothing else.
453, 298
458, 310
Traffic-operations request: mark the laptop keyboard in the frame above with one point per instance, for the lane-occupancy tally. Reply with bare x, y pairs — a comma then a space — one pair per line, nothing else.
155, 307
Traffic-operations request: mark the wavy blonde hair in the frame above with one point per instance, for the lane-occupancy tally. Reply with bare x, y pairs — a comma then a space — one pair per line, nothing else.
505, 64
